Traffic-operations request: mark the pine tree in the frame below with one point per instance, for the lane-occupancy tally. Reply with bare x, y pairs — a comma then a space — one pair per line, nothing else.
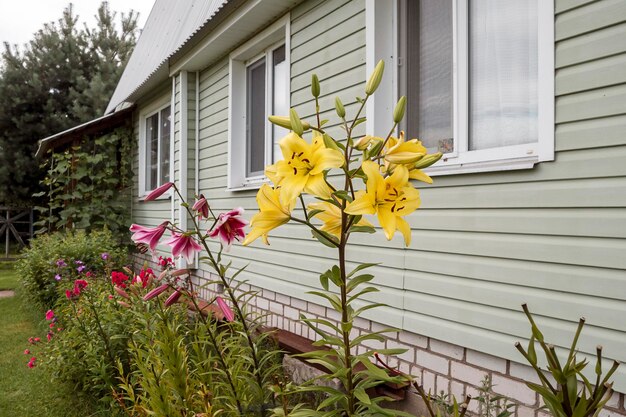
63, 77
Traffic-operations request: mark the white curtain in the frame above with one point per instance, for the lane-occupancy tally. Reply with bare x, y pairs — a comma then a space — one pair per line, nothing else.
502, 73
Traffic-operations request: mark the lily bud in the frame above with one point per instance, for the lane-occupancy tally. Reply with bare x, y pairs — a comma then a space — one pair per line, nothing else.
285, 122
155, 292
179, 272
403, 158
375, 78
341, 112
398, 112
296, 123
172, 299
315, 86
158, 192
363, 143
428, 160
120, 292
229, 315
123, 304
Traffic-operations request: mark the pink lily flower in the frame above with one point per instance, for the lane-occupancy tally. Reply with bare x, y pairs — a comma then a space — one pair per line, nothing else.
158, 192
148, 235
229, 227
183, 244
155, 292
202, 207
226, 310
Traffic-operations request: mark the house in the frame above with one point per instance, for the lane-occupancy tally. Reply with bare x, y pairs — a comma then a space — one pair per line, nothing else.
526, 98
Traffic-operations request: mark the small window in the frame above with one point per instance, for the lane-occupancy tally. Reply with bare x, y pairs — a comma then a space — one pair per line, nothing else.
259, 84
156, 149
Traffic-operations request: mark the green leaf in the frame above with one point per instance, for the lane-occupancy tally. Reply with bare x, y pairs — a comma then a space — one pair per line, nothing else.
362, 267
362, 229
343, 195
358, 280
325, 238
362, 396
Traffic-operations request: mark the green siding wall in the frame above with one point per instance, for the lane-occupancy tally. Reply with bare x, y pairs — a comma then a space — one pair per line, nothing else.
553, 236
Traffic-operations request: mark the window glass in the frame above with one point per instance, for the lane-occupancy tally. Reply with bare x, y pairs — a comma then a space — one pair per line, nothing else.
502, 73
152, 151
165, 145
280, 95
429, 78
255, 129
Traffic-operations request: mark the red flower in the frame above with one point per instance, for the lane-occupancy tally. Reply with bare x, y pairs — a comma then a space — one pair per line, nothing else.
158, 192
149, 236
119, 279
144, 277
229, 227
79, 285
49, 335
183, 244
49, 315
27, 352
202, 207
31, 362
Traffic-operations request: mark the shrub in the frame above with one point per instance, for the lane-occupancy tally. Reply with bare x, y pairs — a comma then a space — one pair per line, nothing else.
55, 259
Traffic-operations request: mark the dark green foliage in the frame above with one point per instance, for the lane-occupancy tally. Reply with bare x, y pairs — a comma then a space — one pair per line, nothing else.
88, 187
559, 385
38, 266
62, 78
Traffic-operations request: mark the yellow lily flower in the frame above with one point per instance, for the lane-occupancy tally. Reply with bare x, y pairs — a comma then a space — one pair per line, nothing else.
303, 166
390, 198
272, 213
331, 216
399, 151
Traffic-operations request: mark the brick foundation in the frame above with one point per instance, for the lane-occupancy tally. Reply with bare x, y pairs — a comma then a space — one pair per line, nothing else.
437, 365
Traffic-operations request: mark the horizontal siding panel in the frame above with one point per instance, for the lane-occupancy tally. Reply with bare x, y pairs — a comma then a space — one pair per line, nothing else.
581, 251
592, 17
591, 75
337, 25
610, 192
602, 43
330, 69
565, 5
314, 10
602, 132
556, 304
603, 102
342, 81
600, 282
310, 59
565, 222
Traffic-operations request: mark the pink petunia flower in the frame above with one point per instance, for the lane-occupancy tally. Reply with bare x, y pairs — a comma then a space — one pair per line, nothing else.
148, 235
49, 315
183, 244
31, 363
79, 285
119, 279
229, 227
202, 207
158, 192
228, 313
26, 352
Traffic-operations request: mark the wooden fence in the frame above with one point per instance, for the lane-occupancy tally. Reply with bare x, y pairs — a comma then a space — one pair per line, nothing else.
16, 227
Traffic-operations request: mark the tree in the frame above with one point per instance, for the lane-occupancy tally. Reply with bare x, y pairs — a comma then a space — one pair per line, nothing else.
63, 77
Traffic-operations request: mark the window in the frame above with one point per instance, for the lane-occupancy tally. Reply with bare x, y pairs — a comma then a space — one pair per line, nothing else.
155, 147
478, 76
259, 87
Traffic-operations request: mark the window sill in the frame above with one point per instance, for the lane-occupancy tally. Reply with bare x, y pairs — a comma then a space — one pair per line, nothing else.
251, 185
454, 167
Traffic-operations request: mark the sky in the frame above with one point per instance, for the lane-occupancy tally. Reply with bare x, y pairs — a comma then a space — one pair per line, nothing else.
20, 19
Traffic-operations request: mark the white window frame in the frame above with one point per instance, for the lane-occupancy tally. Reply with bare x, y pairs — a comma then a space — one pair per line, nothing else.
262, 45
382, 43
149, 111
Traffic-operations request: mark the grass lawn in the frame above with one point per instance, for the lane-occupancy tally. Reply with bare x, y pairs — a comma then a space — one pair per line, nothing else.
27, 392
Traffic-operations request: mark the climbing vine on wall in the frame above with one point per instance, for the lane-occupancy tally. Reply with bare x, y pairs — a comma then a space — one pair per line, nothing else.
88, 186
